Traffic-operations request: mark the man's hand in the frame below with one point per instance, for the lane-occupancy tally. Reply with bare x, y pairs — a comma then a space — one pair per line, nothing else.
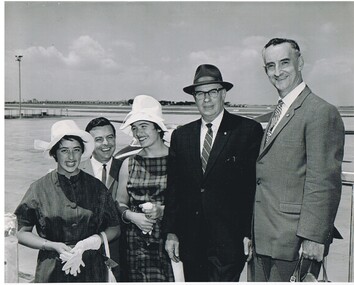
247, 247
172, 247
313, 250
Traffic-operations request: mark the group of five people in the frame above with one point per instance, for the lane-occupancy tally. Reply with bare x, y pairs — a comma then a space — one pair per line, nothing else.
220, 193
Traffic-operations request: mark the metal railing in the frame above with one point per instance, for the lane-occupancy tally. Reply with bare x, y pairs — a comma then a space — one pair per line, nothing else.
348, 180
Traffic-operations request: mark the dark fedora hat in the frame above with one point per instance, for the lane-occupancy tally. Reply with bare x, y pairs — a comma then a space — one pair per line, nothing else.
207, 74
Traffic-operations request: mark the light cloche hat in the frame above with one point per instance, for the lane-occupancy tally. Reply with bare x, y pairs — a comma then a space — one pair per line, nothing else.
145, 108
66, 128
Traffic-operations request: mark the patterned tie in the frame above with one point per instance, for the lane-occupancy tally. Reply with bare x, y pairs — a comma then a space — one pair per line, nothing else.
274, 120
104, 173
207, 146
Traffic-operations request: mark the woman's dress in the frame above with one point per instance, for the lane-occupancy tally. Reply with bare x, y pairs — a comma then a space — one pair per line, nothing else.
147, 259
68, 210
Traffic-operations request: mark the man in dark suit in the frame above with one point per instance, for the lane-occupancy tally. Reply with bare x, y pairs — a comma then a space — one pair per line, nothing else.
298, 172
211, 184
102, 164
105, 167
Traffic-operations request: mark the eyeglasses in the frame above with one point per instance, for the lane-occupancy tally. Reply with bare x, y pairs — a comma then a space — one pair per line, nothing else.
213, 93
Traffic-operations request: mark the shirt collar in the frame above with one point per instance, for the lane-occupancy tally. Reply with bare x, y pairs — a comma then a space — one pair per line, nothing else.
96, 164
290, 98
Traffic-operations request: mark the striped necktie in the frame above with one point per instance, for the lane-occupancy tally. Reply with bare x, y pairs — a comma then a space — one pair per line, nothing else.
104, 173
207, 146
274, 120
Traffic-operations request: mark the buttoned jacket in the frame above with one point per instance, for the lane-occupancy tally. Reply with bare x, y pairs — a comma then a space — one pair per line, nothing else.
112, 185
299, 178
222, 197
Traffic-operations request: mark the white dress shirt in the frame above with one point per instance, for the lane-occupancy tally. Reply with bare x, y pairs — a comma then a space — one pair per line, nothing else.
215, 127
98, 167
289, 99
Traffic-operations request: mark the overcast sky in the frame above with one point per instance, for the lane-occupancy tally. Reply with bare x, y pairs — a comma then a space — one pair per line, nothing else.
117, 50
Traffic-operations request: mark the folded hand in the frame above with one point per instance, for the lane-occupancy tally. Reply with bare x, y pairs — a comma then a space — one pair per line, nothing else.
73, 261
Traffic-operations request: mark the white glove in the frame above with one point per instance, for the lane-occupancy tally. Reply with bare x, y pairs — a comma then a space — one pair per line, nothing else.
72, 266
147, 206
74, 262
65, 256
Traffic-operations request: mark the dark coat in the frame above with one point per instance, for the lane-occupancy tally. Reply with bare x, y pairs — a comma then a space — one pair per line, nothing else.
222, 198
115, 246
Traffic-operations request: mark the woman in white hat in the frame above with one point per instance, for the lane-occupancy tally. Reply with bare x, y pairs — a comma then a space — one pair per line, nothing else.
141, 193
69, 209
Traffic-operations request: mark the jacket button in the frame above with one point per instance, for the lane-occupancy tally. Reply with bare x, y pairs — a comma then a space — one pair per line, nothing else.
74, 225
197, 213
258, 181
202, 190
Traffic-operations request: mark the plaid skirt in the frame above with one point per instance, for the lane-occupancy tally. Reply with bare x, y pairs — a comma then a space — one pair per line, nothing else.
147, 260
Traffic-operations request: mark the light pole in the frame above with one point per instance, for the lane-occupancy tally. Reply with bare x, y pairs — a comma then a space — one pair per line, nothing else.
18, 58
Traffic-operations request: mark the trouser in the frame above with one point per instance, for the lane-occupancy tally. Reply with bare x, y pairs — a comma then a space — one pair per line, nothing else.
266, 269
211, 270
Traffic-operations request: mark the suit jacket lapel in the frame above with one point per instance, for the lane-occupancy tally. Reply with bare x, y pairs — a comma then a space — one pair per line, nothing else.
87, 167
113, 173
284, 121
194, 148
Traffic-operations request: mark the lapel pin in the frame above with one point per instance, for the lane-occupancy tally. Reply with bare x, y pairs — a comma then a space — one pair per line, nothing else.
225, 133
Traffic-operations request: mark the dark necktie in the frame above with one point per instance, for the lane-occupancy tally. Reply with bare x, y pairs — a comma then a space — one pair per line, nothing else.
207, 146
104, 173
274, 119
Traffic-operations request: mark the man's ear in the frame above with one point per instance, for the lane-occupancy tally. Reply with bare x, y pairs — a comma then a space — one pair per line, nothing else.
265, 69
301, 62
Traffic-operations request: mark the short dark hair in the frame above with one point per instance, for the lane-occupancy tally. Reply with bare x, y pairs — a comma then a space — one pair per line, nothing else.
278, 41
157, 127
99, 122
53, 150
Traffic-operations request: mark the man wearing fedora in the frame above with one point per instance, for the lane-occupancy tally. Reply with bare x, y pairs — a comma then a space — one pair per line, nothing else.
211, 185
105, 167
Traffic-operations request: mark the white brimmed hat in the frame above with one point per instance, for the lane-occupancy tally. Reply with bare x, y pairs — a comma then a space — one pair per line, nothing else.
66, 128
145, 108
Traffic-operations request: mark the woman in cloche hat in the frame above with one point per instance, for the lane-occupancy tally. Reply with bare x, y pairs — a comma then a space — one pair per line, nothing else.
141, 193
70, 209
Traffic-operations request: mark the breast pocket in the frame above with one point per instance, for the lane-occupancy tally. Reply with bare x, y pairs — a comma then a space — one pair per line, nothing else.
232, 166
231, 159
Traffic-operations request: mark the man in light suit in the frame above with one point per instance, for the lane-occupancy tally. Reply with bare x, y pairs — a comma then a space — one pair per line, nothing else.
105, 167
298, 172
211, 184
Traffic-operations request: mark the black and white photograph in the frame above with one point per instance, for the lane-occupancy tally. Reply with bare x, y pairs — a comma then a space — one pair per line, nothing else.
178, 141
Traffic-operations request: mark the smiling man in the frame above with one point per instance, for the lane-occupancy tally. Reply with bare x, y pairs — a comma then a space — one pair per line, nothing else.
105, 167
102, 165
298, 172
211, 184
